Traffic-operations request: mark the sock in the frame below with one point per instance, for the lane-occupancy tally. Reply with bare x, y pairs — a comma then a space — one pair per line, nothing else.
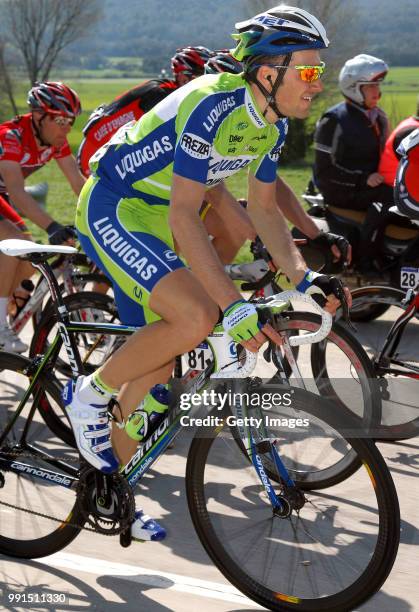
3, 311
93, 390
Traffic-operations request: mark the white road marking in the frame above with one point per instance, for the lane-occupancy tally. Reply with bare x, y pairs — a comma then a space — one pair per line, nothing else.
154, 578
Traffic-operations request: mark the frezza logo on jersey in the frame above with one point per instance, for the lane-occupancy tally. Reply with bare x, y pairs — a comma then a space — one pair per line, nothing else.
195, 146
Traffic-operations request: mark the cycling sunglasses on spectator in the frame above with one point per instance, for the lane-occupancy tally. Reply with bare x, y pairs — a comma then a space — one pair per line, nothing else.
307, 73
63, 121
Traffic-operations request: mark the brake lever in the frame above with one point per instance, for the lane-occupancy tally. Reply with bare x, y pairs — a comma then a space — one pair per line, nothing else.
340, 294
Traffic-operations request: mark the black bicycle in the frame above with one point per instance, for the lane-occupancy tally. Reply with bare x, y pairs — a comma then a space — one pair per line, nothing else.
391, 343
278, 544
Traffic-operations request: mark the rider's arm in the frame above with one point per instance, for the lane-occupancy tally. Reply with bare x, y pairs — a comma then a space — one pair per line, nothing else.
193, 242
329, 148
292, 209
69, 168
234, 216
15, 186
271, 226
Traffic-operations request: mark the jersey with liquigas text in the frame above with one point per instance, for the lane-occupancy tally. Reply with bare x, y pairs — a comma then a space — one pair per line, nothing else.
205, 131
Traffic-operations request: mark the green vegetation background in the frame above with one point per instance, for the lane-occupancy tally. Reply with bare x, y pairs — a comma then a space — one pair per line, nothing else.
399, 99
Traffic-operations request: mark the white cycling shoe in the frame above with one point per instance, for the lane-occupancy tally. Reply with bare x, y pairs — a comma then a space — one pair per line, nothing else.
144, 528
10, 341
90, 423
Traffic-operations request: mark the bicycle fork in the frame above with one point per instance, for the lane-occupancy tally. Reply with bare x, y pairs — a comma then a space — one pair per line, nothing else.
290, 498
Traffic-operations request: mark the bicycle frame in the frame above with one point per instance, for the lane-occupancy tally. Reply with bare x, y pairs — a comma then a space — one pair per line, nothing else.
154, 446
386, 358
65, 270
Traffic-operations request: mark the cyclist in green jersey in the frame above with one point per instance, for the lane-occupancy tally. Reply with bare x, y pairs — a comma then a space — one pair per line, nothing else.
228, 241
147, 187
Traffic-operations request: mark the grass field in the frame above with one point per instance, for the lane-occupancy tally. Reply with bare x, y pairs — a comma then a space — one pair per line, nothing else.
400, 93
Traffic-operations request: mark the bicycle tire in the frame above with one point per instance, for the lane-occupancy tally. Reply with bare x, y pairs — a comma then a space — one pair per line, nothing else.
388, 297
368, 313
208, 509
64, 532
86, 300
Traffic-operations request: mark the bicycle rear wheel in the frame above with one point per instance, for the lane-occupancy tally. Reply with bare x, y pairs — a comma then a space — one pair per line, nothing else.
329, 557
38, 473
94, 348
400, 414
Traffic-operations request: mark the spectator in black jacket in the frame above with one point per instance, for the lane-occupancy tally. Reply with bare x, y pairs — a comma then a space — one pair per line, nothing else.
348, 142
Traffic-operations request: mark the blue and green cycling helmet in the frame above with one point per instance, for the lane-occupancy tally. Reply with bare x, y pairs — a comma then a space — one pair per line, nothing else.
279, 31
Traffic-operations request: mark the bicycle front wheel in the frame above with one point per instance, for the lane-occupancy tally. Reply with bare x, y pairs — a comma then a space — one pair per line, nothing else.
330, 556
339, 369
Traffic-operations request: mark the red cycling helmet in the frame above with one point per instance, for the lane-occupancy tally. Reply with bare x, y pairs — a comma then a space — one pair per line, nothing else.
54, 98
190, 60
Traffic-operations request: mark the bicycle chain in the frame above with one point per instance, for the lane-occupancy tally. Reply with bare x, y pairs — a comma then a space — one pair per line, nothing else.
47, 516
125, 522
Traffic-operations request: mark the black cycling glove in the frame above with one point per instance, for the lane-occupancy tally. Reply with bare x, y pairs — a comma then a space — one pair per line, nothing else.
325, 241
58, 234
319, 286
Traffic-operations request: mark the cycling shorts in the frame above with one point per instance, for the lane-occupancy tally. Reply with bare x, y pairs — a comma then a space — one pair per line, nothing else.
131, 242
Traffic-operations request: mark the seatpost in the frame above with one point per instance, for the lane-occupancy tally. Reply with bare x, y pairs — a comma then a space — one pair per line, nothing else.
47, 272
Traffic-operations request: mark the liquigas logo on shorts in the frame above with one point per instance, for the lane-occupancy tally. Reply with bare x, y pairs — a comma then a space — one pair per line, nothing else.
195, 146
129, 254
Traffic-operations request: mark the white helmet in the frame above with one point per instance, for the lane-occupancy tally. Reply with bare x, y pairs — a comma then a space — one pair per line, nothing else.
361, 70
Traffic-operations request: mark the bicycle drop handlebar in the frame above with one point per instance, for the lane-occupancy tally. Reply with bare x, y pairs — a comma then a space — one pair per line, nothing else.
246, 369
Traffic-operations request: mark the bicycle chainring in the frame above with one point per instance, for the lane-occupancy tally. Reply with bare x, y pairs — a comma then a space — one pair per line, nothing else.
118, 515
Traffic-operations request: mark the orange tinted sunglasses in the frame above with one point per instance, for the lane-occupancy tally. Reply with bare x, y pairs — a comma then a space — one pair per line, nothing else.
307, 73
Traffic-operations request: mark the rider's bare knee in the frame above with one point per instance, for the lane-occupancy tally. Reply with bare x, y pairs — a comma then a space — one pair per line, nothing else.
200, 322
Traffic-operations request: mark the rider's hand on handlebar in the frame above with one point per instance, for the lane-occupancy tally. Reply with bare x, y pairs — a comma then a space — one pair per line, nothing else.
61, 234
241, 320
374, 179
328, 291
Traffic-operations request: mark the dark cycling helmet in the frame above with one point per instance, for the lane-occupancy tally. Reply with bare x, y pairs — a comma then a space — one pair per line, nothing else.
406, 188
54, 98
223, 62
190, 60
361, 70
279, 31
